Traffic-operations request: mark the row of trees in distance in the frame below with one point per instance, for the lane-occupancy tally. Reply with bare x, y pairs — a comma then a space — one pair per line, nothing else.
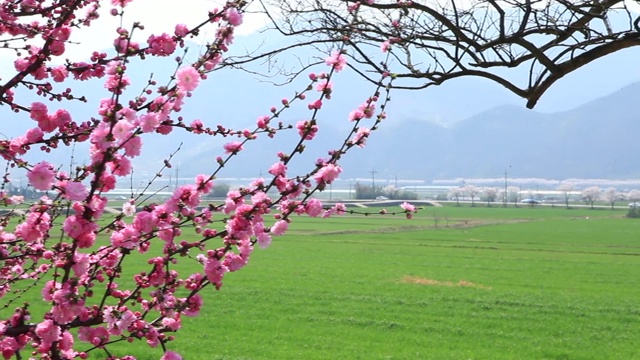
566, 193
390, 192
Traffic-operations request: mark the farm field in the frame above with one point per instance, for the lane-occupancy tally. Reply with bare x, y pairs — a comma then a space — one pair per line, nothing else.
485, 283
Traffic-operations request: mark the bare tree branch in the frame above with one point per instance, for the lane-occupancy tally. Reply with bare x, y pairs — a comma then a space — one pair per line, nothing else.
435, 41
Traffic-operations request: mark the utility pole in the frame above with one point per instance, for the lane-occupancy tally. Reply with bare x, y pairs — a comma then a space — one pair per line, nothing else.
505, 186
177, 175
373, 173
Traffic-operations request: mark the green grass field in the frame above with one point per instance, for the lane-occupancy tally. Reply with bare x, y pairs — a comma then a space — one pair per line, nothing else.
486, 283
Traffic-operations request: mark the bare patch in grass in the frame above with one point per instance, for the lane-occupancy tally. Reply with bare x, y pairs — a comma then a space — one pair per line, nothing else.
457, 224
466, 224
424, 281
383, 230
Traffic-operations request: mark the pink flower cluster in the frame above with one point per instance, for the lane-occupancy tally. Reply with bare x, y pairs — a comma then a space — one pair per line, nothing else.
337, 61
78, 255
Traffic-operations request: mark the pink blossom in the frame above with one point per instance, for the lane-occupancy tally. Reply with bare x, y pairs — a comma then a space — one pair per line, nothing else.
337, 209
214, 270
327, 173
120, 166
187, 78
61, 118
34, 135
39, 112
315, 105
81, 264
162, 45
117, 83
15, 200
171, 324
41, 176
127, 238
48, 332
260, 198
263, 121
128, 114
59, 73
34, 228
66, 345
56, 48
41, 72
194, 305
234, 262
280, 227
121, 3
107, 181
307, 129
238, 226
128, 208
314, 207
9, 346
187, 195
48, 124
114, 68
21, 64
170, 355
75, 191
122, 129
356, 115
132, 146
145, 221
278, 169
233, 147
97, 205
67, 305
368, 109
337, 60
325, 87
81, 230
233, 16
149, 122
204, 183
48, 289
152, 338
386, 46
62, 33
408, 207
264, 240
360, 139
181, 30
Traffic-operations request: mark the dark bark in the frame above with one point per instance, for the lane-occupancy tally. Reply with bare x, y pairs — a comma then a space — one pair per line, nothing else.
452, 41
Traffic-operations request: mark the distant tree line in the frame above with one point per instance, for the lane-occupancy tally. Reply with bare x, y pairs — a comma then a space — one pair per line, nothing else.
219, 191
589, 196
390, 192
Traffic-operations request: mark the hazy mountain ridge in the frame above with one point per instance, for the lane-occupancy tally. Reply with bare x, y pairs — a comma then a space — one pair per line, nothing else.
417, 141
595, 140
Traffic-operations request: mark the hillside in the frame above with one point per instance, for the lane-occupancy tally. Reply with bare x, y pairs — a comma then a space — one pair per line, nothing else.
596, 140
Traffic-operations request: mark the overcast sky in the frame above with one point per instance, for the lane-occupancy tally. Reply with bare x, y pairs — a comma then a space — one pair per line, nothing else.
470, 95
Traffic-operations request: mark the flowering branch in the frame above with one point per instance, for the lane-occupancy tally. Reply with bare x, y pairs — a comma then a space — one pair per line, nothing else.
55, 245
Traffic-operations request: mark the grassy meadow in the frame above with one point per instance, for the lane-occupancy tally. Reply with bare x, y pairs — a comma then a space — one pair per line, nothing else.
452, 283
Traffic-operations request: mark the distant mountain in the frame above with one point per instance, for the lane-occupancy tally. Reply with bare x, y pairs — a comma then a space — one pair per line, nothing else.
596, 140
428, 134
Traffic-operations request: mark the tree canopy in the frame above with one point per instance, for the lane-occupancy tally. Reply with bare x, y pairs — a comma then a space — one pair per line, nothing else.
436, 41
